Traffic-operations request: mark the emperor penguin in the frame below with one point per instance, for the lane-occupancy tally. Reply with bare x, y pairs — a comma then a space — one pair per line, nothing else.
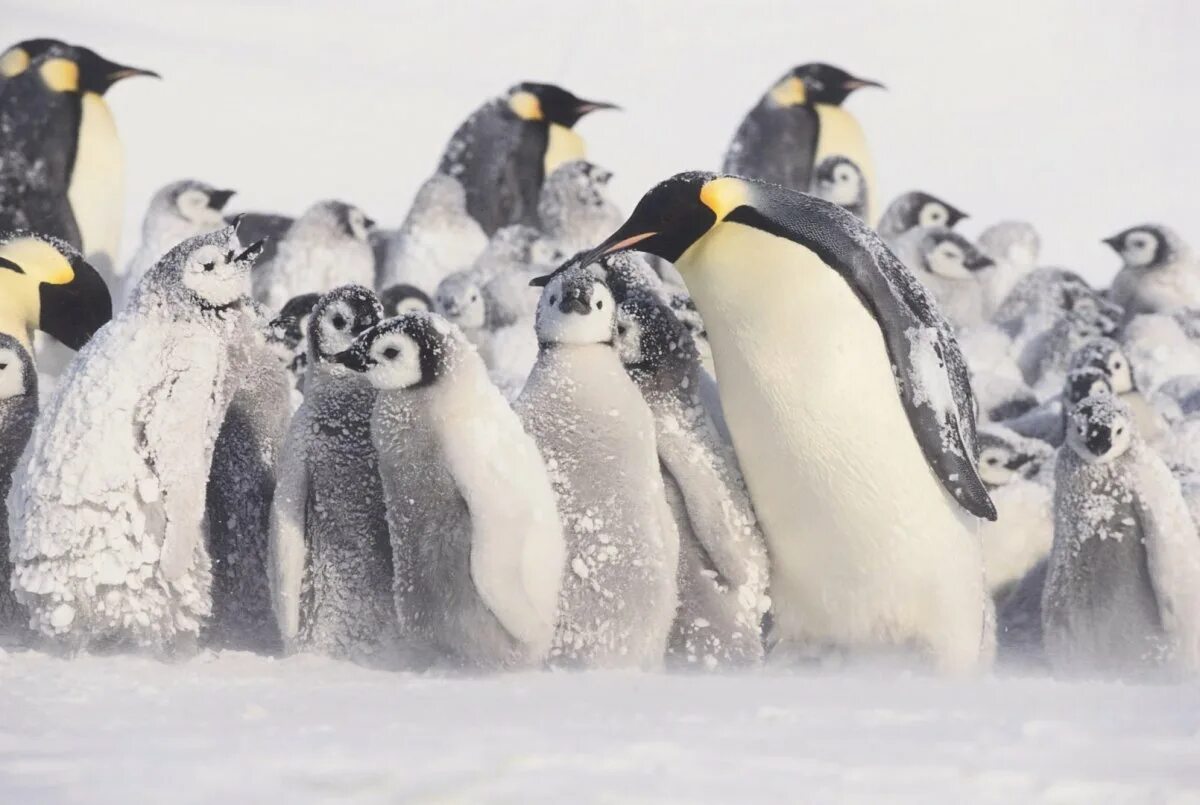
328, 246
950, 267
596, 435
917, 208
288, 335
839, 181
1159, 273
177, 212
330, 557
796, 125
574, 210
401, 298
722, 557
1122, 594
437, 238
18, 411
111, 553
502, 153
61, 164
1107, 356
835, 368
1015, 246
478, 548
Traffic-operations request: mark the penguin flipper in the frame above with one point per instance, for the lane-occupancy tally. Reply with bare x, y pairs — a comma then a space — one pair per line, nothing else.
287, 545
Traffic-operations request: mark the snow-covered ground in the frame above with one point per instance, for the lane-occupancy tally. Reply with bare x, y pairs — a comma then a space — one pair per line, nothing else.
240, 728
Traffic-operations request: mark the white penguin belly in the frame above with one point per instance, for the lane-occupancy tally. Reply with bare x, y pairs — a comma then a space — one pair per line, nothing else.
97, 188
841, 135
866, 547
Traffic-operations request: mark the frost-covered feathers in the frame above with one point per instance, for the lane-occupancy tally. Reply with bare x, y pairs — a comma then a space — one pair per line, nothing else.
18, 410
575, 210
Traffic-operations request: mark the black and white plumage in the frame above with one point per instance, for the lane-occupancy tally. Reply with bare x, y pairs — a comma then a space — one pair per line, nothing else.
18, 411
112, 551
438, 237
574, 211
502, 153
723, 568
839, 181
478, 547
326, 247
1107, 356
1122, 592
288, 335
596, 434
330, 557
1159, 273
949, 266
916, 209
1045, 358
400, 299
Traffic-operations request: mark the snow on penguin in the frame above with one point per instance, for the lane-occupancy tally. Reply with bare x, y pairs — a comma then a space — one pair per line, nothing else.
722, 557
107, 509
574, 210
18, 411
330, 556
596, 434
477, 544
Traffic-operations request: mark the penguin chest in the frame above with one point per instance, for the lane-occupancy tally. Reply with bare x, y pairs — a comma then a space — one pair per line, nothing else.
96, 188
563, 145
839, 134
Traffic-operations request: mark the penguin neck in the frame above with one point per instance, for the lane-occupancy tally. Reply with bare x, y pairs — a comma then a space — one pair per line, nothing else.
839, 134
96, 188
562, 145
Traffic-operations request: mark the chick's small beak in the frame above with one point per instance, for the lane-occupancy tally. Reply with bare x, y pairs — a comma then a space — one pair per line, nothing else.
217, 199
353, 358
250, 253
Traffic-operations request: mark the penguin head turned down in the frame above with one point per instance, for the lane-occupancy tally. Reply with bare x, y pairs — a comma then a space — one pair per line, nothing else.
45, 284
550, 104
1005, 456
408, 352
1148, 246
339, 317
1099, 429
816, 83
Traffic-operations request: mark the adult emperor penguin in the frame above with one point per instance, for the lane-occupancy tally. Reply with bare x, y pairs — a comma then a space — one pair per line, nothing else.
61, 165
478, 547
796, 125
111, 552
506, 148
45, 284
18, 410
850, 409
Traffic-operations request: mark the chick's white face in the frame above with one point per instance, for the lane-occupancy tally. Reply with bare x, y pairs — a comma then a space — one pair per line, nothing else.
211, 273
395, 362
1139, 248
576, 313
410, 305
933, 214
193, 206
463, 305
946, 259
12, 374
993, 466
629, 337
845, 187
1101, 438
358, 224
337, 328
1120, 372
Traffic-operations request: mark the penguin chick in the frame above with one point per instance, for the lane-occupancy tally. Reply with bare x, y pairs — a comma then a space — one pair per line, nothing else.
1011, 466
839, 181
438, 237
723, 570
1038, 301
400, 299
326, 247
1047, 422
479, 551
917, 209
330, 556
111, 552
177, 212
1159, 273
1045, 360
949, 266
575, 211
596, 434
287, 334
1122, 593
1106, 355
1159, 348
18, 411
1014, 246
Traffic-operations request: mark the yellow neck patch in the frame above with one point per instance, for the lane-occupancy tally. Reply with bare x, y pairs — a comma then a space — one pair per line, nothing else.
14, 62
60, 75
724, 195
789, 92
40, 261
525, 105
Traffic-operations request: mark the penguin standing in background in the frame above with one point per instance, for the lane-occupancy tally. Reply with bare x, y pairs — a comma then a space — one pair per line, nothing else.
916, 209
1015, 246
839, 181
1159, 274
502, 153
400, 299
949, 266
574, 210
478, 548
18, 411
61, 163
288, 337
796, 125
177, 212
330, 556
241, 486
835, 367
596, 435
722, 557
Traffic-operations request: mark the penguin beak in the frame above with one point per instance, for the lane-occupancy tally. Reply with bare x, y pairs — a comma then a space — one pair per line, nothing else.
250, 253
851, 84
73, 311
1018, 461
1114, 243
574, 302
353, 358
586, 107
618, 241
217, 199
1098, 441
979, 263
122, 72
368, 222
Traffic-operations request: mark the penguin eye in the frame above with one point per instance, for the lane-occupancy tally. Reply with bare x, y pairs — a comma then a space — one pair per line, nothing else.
621, 330
992, 461
390, 353
339, 322
3, 366
209, 266
553, 300
599, 304
474, 296
1120, 430
229, 256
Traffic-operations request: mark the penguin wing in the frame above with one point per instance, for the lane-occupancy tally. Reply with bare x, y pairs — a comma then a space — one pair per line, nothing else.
931, 373
1172, 554
776, 145
287, 547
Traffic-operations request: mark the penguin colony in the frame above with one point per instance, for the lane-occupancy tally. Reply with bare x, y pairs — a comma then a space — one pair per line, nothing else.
763, 418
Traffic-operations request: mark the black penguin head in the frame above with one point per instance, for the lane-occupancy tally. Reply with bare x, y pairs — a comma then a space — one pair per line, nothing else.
18, 378
815, 83
97, 74
58, 291
196, 202
338, 318
18, 58
1080, 384
406, 352
1106, 355
291, 324
550, 104
576, 308
403, 298
349, 220
918, 208
655, 345
1005, 456
949, 255
1148, 246
840, 181
1099, 429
